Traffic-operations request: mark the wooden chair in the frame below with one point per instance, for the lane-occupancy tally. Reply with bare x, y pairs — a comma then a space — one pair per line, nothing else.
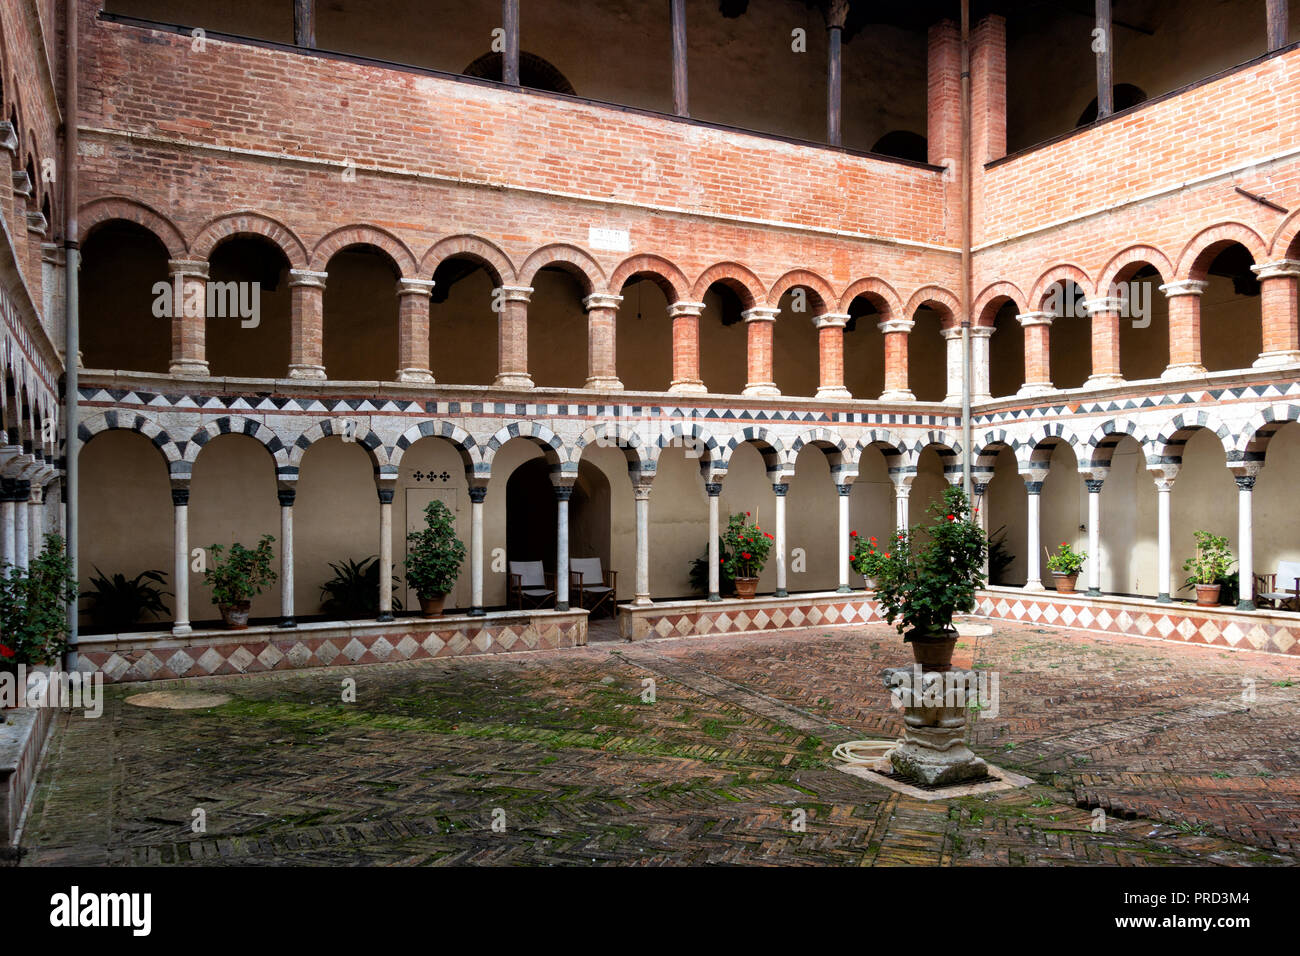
530, 585
1268, 594
593, 587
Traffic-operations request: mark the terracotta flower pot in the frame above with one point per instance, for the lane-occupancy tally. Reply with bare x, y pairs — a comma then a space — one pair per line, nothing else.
236, 615
933, 649
431, 606
1065, 582
745, 587
1207, 595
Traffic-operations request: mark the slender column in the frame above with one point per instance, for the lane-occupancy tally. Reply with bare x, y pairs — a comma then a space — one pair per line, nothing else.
714, 489
8, 521
36, 521
1164, 574
953, 364
842, 489
896, 332
642, 492
306, 324
902, 490
978, 490
830, 354
1278, 285
477, 495
1278, 31
181, 557
189, 278
1094, 536
1104, 316
562, 495
1034, 546
1245, 543
760, 325
513, 337
780, 489
385, 490
287, 496
681, 99
1038, 352
304, 23
413, 330
685, 317
1184, 327
1102, 46
835, 17
979, 362
22, 490
602, 337
510, 56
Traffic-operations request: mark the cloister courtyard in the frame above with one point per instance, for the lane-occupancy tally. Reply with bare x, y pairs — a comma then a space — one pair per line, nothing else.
1192, 753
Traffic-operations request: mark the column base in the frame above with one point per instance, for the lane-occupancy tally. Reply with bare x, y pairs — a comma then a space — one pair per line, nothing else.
188, 368
1034, 389
180, 630
604, 383
1103, 381
513, 380
1183, 371
1093, 592
422, 375
1244, 605
844, 589
1275, 359
384, 618
1033, 586
643, 600
307, 371
690, 386
476, 612
896, 395
761, 388
288, 622
833, 391
780, 592
561, 605
1164, 598
715, 597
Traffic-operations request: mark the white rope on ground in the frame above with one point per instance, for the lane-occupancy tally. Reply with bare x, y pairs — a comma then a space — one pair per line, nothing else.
863, 751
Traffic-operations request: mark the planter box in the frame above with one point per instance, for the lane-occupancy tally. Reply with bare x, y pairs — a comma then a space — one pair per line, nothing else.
22, 739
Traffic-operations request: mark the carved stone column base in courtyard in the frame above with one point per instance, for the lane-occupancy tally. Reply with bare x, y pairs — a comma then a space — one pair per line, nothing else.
934, 751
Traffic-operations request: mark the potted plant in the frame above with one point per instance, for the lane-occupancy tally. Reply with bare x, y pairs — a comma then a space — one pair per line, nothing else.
699, 573
1065, 566
746, 547
239, 578
1209, 567
433, 558
353, 592
118, 603
865, 557
928, 575
34, 608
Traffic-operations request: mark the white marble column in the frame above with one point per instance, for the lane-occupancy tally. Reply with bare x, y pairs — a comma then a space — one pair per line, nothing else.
714, 488
36, 521
902, 489
642, 492
286, 496
980, 368
1094, 536
1034, 545
562, 495
780, 489
23, 490
1164, 573
952, 353
386, 490
843, 489
477, 495
8, 519
181, 558
1245, 543
978, 490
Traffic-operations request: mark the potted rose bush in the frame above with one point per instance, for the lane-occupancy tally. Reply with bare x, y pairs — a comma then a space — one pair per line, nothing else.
865, 555
34, 608
235, 579
433, 558
1208, 567
928, 575
746, 547
1065, 566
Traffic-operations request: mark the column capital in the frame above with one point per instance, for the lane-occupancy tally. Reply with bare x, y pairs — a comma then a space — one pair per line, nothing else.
287, 497
895, 325
982, 331
1244, 482
1094, 485
979, 488
385, 488
1033, 484
713, 488
415, 287
641, 490
1184, 287
515, 293
1278, 269
951, 334
831, 320
181, 496
1108, 303
760, 314
563, 492
478, 494
1027, 319
197, 268
307, 279
844, 488
780, 488
685, 308
601, 300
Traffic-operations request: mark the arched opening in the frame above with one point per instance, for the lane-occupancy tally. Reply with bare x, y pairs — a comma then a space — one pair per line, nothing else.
930, 482
1276, 524
1125, 95
534, 72
531, 514
120, 266
679, 522
796, 354
812, 522
904, 144
644, 336
462, 323
557, 328
248, 333
603, 513
724, 339
1070, 338
1144, 333
590, 515
1006, 349
1203, 498
1006, 507
361, 315
1231, 328
1063, 508
927, 359
864, 348
1128, 521
872, 500
748, 487
432, 468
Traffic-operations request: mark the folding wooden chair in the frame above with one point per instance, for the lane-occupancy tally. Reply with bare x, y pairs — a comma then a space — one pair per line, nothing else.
1288, 572
530, 585
593, 587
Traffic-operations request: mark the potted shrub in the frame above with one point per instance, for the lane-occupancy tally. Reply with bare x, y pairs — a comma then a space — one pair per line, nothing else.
1065, 566
34, 608
353, 592
865, 557
1209, 567
118, 603
929, 575
746, 547
433, 558
699, 573
238, 578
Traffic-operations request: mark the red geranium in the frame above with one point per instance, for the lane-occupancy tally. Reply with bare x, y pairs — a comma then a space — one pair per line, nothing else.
6, 651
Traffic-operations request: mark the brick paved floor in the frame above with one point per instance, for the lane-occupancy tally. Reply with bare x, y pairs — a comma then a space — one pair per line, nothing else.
737, 740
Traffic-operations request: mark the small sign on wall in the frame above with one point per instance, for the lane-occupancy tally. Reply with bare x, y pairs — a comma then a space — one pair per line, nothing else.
608, 240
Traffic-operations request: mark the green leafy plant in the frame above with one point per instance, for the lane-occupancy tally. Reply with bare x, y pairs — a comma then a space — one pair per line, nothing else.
699, 575
747, 547
1066, 560
865, 554
930, 574
434, 554
353, 592
34, 607
1212, 561
119, 602
241, 576
1000, 559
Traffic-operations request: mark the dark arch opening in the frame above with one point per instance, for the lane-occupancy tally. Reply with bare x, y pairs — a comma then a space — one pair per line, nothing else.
361, 315
723, 340
531, 514
260, 348
459, 313
1126, 95
864, 349
903, 144
121, 264
534, 72
1232, 334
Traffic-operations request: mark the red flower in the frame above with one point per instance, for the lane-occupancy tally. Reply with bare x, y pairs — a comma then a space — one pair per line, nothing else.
746, 514
853, 534
886, 554
745, 555
768, 536
1064, 545
6, 651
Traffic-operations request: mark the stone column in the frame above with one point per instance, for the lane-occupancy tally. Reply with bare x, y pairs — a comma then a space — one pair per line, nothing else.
902, 489
181, 557
952, 364
36, 521
1038, 352
1245, 543
978, 490
685, 317
8, 520
642, 492
306, 324
830, 350
896, 332
1164, 573
1104, 316
287, 496
760, 326
413, 330
1279, 283
1034, 544
714, 489
602, 338
562, 495
512, 339
477, 495
843, 489
1094, 536
1184, 327
385, 489
189, 279
780, 489
22, 491
980, 390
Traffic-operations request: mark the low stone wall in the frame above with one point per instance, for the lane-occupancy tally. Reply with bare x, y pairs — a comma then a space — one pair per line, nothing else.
22, 737
144, 657
732, 615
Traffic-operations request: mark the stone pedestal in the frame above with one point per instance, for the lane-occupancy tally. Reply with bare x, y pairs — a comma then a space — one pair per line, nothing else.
933, 751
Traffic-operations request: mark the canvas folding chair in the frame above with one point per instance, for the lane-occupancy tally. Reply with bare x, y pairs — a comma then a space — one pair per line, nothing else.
593, 587
1269, 595
530, 585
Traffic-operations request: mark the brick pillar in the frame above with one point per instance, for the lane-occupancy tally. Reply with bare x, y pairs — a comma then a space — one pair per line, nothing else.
1184, 327
1038, 352
513, 337
760, 324
306, 324
1279, 286
602, 338
988, 90
830, 350
1104, 315
685, 317
896, 332
189, 279
413, 330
